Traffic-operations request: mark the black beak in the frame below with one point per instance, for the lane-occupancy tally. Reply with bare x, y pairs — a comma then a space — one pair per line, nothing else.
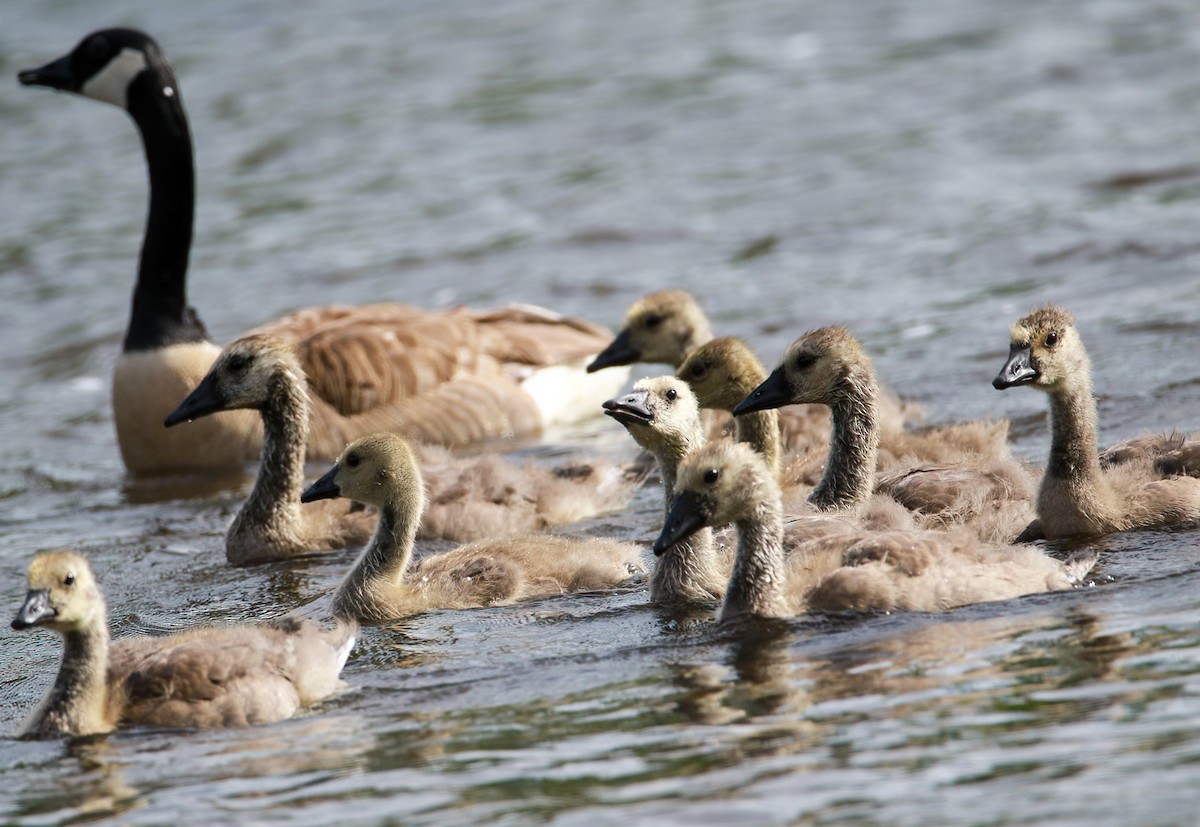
36, 610
1018, 370
204, 400
323, 489
687, 516
55, 74
772, 393
630, 409
618, 352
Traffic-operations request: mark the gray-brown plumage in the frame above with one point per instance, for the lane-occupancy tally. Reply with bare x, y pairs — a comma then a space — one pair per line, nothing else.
470, 498
1173, 454
1079, 495
447, 378
989, 493
381, 470
229, 675
890, 571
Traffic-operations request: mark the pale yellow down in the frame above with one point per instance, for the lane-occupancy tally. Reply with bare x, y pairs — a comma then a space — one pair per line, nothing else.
215, 676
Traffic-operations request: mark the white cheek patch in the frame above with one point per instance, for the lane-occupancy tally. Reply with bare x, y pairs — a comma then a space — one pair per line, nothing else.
111, 83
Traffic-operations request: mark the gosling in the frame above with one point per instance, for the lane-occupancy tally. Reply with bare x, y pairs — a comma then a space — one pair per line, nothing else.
217, 676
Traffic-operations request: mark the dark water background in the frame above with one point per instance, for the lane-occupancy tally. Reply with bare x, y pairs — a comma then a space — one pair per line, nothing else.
925, 172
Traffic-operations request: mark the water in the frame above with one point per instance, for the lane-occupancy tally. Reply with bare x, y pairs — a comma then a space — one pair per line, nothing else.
924, 172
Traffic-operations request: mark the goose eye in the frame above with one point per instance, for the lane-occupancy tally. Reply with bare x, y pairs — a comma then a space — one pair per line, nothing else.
804, 361
69, 580
1052, 338
653, 320
352, 460
698, 372
672, 394
239, 363
711, 476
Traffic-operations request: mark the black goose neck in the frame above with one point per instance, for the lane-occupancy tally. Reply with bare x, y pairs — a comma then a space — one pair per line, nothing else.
161, 315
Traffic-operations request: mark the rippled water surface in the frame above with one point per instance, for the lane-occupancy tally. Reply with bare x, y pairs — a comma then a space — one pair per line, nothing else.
925, 172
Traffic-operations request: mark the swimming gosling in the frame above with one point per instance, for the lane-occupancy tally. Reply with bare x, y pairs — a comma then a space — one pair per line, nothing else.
1078, 496
209, 676
382, 470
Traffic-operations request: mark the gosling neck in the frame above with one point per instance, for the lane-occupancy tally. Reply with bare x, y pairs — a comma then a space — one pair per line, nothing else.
1074, 426
77, 702
274, 503
160, 312
760, 430
383, 561
670, 452
687, 571
853, 448
757, 584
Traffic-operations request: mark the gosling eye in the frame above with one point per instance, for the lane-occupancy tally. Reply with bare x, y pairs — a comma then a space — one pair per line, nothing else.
69, 580
804, 361
711, 476
698, 371
1052, 338
238, 363
672, 394
653, 320
352, 460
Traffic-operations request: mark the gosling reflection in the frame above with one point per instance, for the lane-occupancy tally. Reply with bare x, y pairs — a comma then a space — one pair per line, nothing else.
88, 781
756, 680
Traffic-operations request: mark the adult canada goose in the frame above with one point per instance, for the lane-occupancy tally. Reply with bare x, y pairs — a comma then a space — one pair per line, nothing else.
1077, 495
450, 378
381, 470
662, 416
889, 571
228, 675
472, 497
990, 495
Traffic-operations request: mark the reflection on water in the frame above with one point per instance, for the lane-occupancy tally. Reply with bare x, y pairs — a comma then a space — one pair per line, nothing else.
925, 172
87, 784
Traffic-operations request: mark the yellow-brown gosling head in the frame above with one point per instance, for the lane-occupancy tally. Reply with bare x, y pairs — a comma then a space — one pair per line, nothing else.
62, 595
662, 327
1045, 352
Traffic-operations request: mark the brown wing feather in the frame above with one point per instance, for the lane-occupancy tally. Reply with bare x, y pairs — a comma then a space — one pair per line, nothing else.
529, 335
470, 409
359, 359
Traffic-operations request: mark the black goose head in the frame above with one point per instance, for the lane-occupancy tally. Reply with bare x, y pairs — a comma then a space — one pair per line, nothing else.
109, 65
